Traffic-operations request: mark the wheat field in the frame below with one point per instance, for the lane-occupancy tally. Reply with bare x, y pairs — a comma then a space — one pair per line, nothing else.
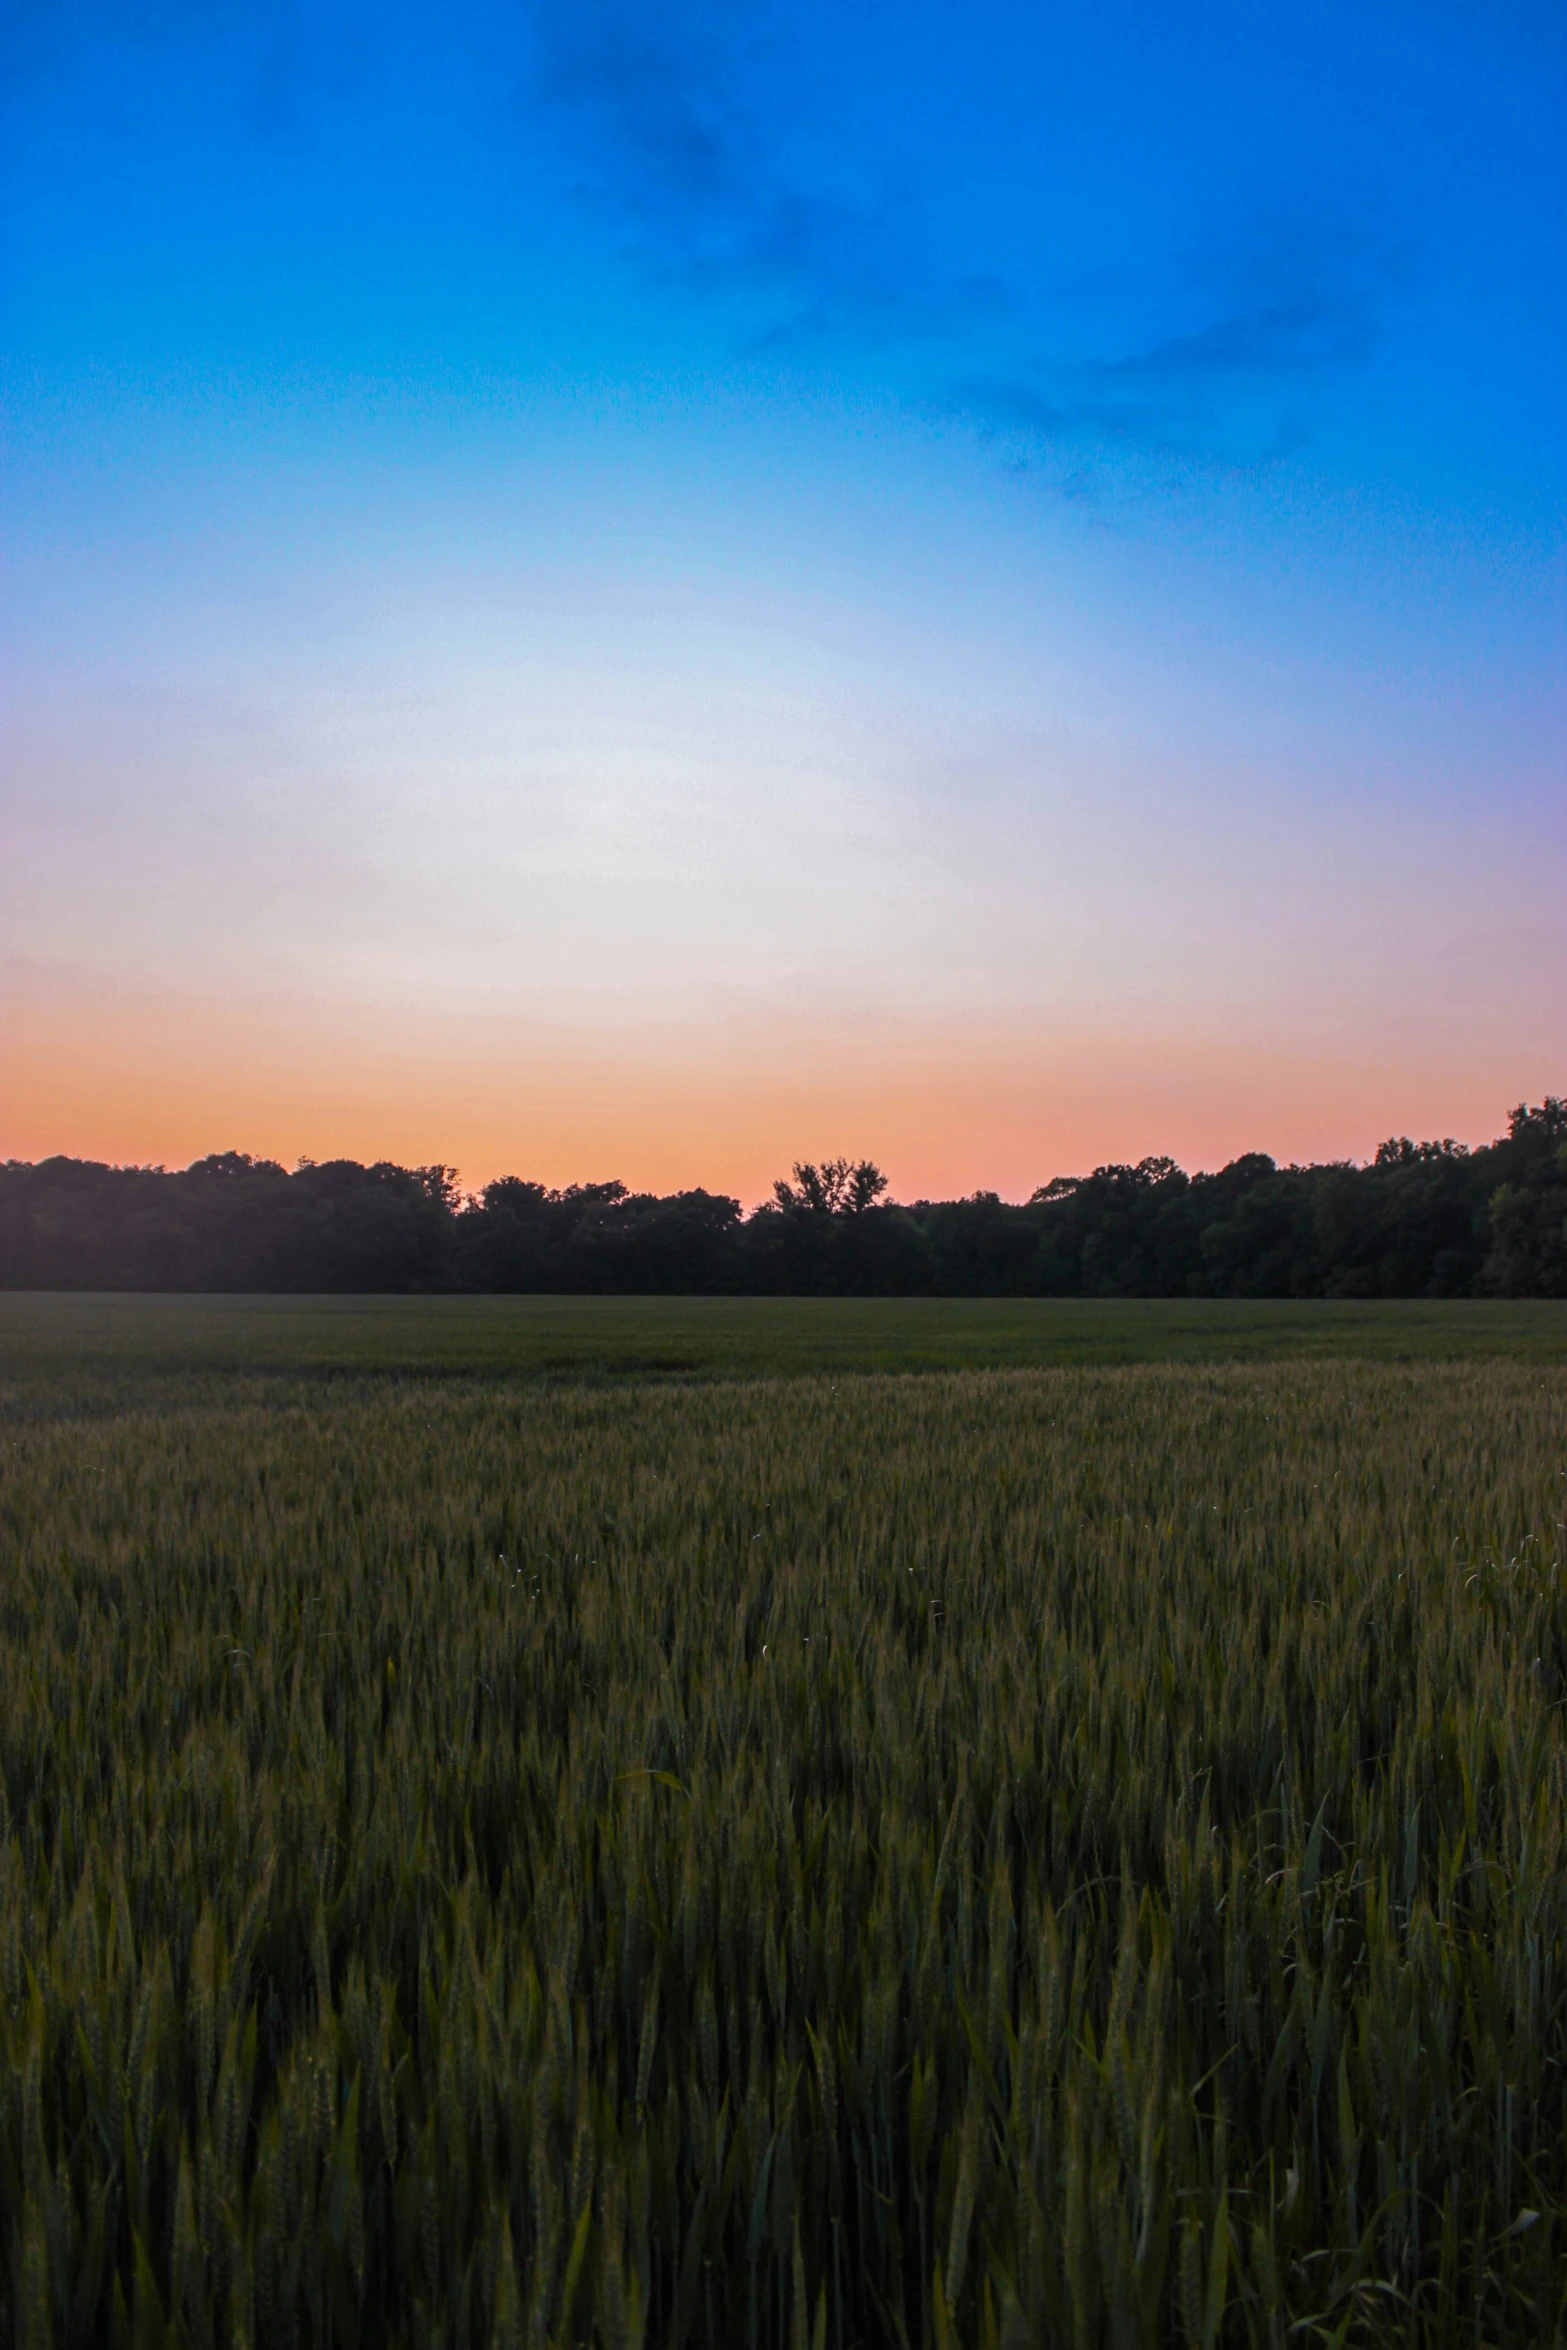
1023, 1857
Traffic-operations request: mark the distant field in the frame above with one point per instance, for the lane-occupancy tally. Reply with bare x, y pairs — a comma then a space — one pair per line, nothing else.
108, 1348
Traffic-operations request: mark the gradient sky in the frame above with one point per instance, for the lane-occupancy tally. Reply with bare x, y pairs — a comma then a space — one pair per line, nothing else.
600, 590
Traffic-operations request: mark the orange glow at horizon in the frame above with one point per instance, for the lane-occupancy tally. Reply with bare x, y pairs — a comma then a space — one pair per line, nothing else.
945, 1112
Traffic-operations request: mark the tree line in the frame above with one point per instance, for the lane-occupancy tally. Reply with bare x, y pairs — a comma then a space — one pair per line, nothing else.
1422, 1219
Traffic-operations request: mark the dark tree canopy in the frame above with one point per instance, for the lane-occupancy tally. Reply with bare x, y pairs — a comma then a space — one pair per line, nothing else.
1424, 1219
838, 1187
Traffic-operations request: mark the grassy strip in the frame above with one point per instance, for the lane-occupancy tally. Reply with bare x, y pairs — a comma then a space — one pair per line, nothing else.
109, 1352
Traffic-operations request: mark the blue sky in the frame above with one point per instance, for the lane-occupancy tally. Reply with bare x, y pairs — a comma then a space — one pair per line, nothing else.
662, 589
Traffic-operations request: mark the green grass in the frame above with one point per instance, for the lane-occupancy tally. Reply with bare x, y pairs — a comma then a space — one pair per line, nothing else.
119, 1348
1062, 1855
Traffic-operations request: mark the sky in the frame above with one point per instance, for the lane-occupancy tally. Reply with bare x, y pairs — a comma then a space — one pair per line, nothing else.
597, 590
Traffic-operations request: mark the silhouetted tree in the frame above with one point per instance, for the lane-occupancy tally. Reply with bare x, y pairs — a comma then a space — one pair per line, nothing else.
838, 1187
1525, 1221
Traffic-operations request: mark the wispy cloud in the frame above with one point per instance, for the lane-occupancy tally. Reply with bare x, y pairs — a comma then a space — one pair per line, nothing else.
692, 130
1240, 384
686, 125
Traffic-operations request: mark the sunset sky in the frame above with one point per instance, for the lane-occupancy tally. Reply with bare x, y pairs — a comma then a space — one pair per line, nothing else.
599, 590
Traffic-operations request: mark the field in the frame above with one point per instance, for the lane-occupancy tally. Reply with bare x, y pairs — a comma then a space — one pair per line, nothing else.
555, 1822
83, 1352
